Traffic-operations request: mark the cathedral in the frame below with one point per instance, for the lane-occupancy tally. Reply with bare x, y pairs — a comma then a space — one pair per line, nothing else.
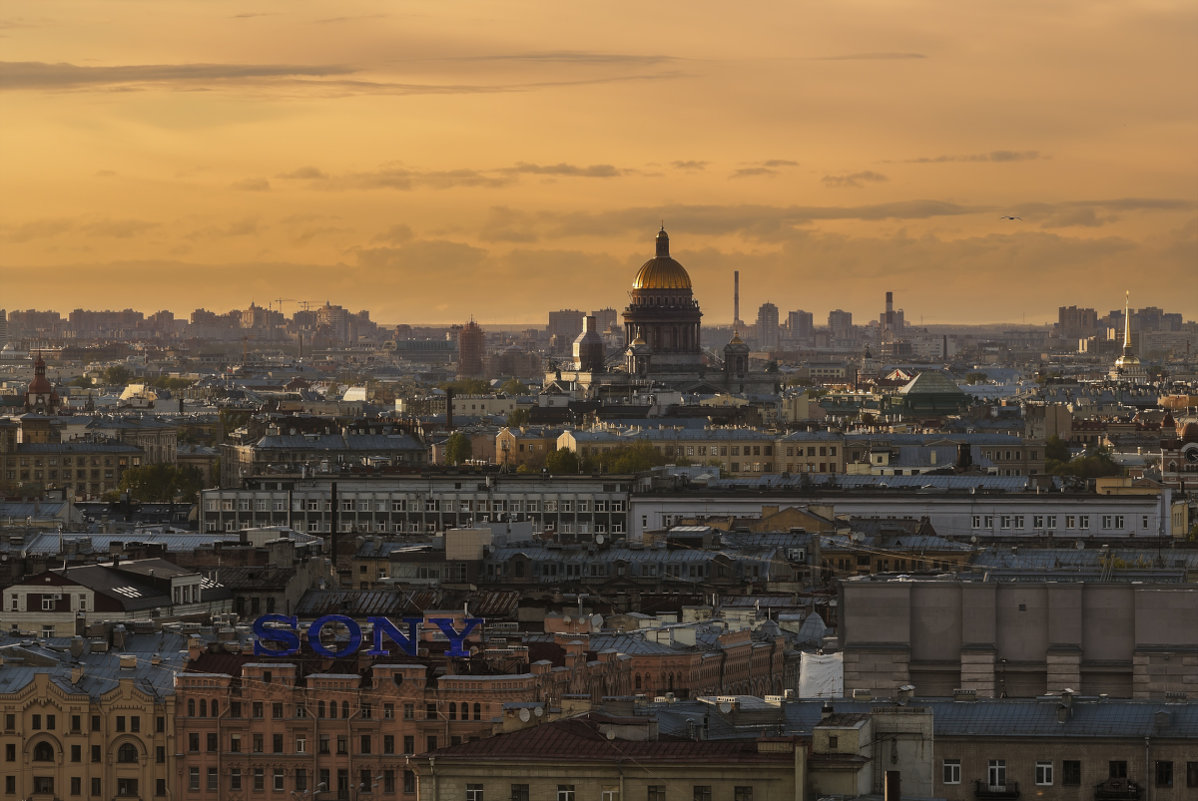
662, 350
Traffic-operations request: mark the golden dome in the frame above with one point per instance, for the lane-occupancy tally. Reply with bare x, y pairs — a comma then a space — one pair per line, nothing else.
662, 272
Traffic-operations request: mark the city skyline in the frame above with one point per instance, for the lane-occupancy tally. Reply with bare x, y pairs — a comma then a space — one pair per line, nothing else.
435, 163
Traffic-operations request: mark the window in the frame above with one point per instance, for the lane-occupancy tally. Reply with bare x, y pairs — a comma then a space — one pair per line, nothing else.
276, 711
160, 787
342, 744
235, 779
43, 784
301, 779
193, 741
211, 744
388, 743
409, 744
160, 754
952, 771
76, 785
277, 778
96, 786
95, 753
257, 709
301, 745
1192, 774
1117, 769
996, 773
655, 792
1164, 773
565, 792
193, 779
235, 743
742, 793
213, 779
474, 792
258, 744
409, 781
259, 779
1043, 773
701, 792
364, 744
10, 752
76, 753
126, 753
519, 792
409, 711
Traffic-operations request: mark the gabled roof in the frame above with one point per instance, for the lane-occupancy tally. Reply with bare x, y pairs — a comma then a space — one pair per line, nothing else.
931, 382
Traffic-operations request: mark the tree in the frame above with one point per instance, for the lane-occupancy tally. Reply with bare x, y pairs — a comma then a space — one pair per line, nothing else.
514, 386
457, 448
81, 381
162, 483
563, 461
976, 378
467, 386
1056, 449
1096, 462
517, 418
117, 374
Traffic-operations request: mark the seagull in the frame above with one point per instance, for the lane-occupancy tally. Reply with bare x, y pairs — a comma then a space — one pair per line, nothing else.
1009, 217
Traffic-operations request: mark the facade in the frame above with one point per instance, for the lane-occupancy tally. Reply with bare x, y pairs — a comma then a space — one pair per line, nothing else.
471, 350
613, 758
83, 469
999, 637
84, 721
62, 603
569, 505
355, 445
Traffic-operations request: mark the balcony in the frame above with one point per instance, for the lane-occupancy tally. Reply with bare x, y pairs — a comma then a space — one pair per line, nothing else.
985, 791
1117, 790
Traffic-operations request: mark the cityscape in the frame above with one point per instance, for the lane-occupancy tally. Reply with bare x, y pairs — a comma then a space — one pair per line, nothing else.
530, 403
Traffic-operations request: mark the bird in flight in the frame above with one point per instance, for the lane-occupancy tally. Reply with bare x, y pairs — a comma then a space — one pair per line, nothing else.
1010, 217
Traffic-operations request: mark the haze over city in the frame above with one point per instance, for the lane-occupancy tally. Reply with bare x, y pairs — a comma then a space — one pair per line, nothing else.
434, 161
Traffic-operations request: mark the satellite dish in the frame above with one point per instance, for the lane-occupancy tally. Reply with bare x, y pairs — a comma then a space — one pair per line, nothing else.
600, 539
525, 715
611, 735
1079, 545
539, 711
566, 618
725, 707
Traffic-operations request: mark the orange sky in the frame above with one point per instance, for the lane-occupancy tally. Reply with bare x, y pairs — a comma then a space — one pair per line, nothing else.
435, 161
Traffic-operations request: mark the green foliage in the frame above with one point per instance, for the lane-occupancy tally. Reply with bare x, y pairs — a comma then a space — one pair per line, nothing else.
514, 386
467, 386
162, 483
562, 461
635, 457
81, 381
976, 378
1096, 462
457, 448
517, 418
1056, 449
117, 374
170, 382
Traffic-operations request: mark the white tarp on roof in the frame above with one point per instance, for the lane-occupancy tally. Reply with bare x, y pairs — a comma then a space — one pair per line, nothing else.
821, 676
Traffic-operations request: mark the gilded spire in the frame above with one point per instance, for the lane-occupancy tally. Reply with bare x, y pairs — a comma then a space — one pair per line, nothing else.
1127, 322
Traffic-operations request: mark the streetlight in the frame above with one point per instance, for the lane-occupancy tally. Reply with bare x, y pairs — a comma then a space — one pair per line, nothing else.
315, 791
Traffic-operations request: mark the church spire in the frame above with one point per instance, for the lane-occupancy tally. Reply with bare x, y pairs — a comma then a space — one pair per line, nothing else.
1127, 323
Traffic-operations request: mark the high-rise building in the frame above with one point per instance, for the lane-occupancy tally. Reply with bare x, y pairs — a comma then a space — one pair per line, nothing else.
1073, 322
3, 327
606, 320
471, 345
840, 324
767, 326
800, 324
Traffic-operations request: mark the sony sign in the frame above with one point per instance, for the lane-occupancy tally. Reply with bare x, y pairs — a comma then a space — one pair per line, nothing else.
284, 633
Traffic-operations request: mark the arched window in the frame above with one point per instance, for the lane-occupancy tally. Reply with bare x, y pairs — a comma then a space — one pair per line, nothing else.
345, 709
320, 709
191, 707
638, 681
453, 710
126, 753
478, 711
203, 708
43, 752
332, 709
215, 708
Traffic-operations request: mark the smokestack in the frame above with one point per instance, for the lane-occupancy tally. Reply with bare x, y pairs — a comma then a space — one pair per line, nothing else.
736, 297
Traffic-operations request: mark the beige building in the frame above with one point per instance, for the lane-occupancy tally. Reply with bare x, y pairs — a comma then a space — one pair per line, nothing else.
98, 726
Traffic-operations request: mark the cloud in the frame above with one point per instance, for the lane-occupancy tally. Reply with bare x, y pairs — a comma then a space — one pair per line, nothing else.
592, 171
993, 155
41, 75
252, 185
689, 165
870, 57
749, 172
444, 259
305, 173
49, 229
779, 163
396, 234
118, 229
854, 180
571, 57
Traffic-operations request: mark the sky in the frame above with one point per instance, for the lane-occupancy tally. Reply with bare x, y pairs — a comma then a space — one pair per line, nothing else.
432, 162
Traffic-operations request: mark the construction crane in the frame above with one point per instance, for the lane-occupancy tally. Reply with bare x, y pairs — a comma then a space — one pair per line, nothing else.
304, 304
